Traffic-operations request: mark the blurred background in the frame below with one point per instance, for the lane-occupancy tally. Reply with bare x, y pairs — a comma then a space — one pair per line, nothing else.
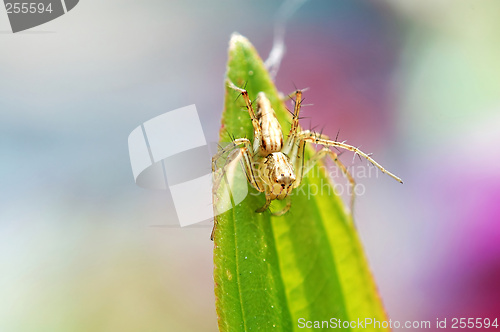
82, 248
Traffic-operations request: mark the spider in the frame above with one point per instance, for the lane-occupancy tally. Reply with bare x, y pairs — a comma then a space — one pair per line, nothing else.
274, 166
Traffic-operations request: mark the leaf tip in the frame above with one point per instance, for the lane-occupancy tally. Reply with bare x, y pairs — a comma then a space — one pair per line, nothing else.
236, 39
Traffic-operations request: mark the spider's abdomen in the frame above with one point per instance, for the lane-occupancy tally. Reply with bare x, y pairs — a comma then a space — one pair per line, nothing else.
272, 136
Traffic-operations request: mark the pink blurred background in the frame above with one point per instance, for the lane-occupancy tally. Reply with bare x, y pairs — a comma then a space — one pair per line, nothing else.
417, 84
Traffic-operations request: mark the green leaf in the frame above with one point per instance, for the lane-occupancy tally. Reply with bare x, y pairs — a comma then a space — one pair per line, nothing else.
308, 264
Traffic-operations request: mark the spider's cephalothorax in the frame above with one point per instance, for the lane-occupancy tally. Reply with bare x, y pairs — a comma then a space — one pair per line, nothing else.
278, 176
273, 166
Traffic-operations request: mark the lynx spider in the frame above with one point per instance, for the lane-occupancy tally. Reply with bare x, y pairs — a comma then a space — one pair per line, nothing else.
276, 167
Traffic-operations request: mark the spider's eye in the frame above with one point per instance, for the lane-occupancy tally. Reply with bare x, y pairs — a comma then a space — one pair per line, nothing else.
283, 185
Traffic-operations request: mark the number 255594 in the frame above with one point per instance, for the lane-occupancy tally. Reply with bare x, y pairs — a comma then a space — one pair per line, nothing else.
27, 8
471, 323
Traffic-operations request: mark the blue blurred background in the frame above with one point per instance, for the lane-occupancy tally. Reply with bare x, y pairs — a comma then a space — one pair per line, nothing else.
417, 83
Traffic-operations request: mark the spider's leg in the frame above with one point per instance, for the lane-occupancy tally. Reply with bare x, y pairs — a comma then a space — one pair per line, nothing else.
297, 155
308, 133
235, 152
285, 209
255, 122
295, 124
327, 152
264, 208
319, 139
297, 160
217, 177
296, 111
231, 146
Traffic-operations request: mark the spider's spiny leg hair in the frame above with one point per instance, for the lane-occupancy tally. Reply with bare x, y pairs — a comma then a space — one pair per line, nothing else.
321, 131
290, 96
341, 152
337, 137
231, 136
297, 89
356, 154
238, 96
312, 129
241, 91
253, 101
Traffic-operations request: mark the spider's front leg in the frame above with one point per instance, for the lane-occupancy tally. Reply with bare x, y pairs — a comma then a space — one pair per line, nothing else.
257, 130
302, 167
278, 213
292, 135
266, 206
327, 152
308, 136
285, 209
239, 149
